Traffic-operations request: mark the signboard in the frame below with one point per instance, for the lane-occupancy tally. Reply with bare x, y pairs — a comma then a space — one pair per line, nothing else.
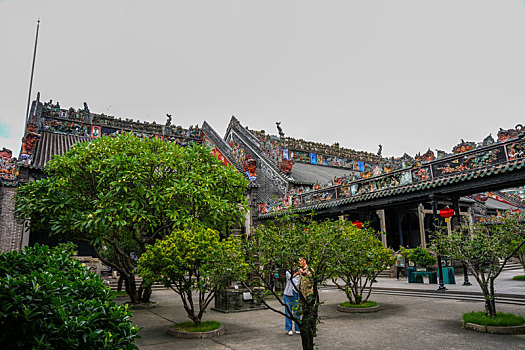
285, 153
313, 158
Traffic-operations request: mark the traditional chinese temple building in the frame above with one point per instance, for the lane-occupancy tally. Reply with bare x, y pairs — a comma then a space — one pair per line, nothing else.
397, 196
50, 131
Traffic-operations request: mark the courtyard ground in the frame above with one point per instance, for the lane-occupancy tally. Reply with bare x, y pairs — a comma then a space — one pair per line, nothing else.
405, 322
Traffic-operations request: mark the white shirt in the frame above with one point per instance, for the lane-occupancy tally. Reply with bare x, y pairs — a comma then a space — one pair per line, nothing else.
289, 289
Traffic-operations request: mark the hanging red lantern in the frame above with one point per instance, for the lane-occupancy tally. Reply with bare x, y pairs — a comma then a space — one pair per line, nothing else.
446, 213
357, 224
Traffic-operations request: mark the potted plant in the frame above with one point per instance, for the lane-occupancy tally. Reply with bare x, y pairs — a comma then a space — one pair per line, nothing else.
420, 257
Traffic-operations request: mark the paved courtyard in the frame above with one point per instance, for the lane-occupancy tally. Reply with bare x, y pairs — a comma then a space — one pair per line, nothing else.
405, 322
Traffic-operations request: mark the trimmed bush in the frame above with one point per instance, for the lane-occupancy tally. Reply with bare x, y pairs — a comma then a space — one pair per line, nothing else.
419, 256
50, 300
501, 319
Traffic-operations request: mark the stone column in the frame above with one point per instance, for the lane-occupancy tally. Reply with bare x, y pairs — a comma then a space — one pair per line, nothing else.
381, 214
248, 223
421, 216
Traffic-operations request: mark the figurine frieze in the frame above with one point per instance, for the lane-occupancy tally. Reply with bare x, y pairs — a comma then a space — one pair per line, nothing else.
505, 135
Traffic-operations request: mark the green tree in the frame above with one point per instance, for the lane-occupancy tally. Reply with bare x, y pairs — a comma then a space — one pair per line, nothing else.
484, 249
419, 256
194, 260
281, 243
361, 258
49, 300
120, 189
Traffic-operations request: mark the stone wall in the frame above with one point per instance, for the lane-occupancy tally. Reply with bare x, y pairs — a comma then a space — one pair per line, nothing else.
11, 232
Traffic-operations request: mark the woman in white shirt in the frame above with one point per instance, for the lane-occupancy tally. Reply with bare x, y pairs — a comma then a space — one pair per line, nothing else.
291, 298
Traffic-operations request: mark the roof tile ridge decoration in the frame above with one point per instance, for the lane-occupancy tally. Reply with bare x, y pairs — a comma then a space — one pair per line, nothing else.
287, 140
234, 122
222, 146
254, 145
65, 127
507, 162
8, 168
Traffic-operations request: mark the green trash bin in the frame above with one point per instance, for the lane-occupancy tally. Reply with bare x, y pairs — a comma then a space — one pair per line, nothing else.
448, 275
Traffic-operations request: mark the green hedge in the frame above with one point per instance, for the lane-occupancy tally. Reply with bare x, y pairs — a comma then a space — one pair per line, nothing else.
50, 300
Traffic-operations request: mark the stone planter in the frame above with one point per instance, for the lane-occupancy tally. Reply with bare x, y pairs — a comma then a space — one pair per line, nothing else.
236, 300
496, 329
358, 310
195, 335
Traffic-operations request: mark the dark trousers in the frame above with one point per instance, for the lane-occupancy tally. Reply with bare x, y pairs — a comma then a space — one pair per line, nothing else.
398, 270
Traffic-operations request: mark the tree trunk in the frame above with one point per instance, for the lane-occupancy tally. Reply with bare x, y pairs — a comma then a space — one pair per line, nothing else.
131, 287
490, 303
307, 340
145, 293
119, 283
308, 322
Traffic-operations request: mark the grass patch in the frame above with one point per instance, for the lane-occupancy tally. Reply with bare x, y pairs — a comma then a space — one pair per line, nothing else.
191, 327
519, 278
368, 303
117, 294
501, 319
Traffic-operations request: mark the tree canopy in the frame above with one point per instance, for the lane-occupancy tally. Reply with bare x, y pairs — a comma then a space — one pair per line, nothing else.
280, 244
361, 258
484, 249
115, 189
194, 260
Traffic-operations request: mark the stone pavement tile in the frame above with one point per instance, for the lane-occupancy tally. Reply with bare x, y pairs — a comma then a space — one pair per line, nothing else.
403, 323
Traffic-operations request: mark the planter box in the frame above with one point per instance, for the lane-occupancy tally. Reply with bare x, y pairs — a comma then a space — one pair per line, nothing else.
496, 329
358, 310
196, 335
236, 300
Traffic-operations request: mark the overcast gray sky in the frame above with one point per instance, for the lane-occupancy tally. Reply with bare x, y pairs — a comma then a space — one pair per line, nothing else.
407, 74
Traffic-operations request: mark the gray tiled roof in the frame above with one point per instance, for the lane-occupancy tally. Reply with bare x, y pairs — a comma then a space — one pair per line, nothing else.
310, 173
52, 144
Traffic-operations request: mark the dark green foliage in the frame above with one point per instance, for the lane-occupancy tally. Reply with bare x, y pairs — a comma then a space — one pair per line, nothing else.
49, 300
419, 256
501, 319
484, 249
519, 278
123, 193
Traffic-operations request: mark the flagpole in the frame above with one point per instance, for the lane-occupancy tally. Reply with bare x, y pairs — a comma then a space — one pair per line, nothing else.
32, 72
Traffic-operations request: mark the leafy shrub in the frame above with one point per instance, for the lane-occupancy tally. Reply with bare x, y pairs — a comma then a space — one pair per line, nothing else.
193, 260
50, 300
419, 256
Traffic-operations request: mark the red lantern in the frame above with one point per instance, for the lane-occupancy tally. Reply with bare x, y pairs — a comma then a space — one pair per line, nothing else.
446, 213
357, 224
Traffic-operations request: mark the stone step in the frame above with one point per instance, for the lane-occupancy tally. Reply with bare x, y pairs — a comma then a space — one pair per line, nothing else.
113, 284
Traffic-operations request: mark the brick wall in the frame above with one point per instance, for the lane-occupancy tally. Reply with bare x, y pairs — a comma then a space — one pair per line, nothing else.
10, 230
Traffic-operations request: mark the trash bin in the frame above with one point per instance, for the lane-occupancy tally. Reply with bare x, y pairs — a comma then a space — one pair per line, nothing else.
448, 275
